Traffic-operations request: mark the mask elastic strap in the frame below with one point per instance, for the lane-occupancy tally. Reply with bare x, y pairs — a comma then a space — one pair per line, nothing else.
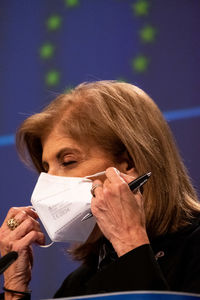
44, 246
96, 174
47, 246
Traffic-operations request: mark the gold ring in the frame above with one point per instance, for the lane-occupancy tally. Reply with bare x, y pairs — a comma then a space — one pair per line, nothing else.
93, 189
12, 223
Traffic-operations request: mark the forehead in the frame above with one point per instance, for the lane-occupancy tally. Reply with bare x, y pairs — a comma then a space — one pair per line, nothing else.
56, 140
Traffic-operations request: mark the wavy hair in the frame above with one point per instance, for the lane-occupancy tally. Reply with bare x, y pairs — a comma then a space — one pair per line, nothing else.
119, 117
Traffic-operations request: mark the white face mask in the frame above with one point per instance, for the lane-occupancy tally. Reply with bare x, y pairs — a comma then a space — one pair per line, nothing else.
61, 203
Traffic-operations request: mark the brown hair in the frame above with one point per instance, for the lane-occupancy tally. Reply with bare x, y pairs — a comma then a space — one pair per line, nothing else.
120, 117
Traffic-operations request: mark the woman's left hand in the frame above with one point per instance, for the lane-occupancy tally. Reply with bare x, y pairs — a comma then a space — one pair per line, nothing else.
119, 212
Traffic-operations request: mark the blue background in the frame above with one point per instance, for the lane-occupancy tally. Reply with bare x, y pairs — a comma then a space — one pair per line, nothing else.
95, 40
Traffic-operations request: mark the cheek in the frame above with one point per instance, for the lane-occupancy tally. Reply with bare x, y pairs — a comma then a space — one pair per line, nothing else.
58, 172
99, 165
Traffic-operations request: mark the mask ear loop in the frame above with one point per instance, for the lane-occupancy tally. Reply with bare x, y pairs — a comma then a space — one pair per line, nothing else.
42, 246
46, 246
95, 175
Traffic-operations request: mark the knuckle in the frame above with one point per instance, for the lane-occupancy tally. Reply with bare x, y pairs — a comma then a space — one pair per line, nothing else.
95, 207
101, 203
37, 225
41, 237
3, 241
99, 200
17, 247
9, 245
29, 223
13, 210
33, 234
96, 181
6, 245
36, 236
122, 186
4, 237
108, 192
109, 170
22, 215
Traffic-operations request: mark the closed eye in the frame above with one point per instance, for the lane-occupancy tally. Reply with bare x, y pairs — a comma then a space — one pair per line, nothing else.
67, 163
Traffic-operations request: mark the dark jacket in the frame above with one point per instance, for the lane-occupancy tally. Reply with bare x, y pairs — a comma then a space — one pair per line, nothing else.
171, 262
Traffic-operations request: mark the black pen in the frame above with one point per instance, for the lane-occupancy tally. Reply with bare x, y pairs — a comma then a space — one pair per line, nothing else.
133, 185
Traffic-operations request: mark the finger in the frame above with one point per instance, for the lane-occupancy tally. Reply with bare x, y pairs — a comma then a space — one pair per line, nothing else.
27, 240
13, 211
139, 199
96, 201
136, 191
115, 185
113, 175
128, 179
31, 212
19, 214
136, 196
28, 225
95, 186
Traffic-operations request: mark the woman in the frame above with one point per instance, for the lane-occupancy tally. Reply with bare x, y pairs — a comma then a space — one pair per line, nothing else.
147, 241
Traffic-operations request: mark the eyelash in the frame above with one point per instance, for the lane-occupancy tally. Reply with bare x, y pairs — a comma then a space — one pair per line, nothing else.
67, 163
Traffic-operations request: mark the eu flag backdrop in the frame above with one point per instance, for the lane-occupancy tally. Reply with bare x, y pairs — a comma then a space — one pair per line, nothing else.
48, 46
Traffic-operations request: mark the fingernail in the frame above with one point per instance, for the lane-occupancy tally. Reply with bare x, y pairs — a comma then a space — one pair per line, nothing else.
32, 208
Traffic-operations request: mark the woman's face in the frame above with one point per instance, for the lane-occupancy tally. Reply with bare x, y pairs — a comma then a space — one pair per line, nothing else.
63, 156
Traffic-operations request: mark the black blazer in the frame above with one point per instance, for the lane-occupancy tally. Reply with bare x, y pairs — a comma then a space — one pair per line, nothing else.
171, 262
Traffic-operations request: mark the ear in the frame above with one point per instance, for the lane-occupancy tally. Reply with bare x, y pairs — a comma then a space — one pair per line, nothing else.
126, 165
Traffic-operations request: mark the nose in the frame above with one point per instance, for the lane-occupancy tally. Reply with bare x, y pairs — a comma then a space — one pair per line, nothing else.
53, 171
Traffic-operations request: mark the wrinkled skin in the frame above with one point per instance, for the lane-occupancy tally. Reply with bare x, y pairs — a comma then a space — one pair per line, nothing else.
18, 275
118, 211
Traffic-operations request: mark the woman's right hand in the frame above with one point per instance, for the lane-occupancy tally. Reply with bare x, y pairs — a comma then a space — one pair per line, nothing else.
18, 275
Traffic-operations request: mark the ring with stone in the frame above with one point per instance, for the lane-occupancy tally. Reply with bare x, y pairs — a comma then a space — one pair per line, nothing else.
12, 223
